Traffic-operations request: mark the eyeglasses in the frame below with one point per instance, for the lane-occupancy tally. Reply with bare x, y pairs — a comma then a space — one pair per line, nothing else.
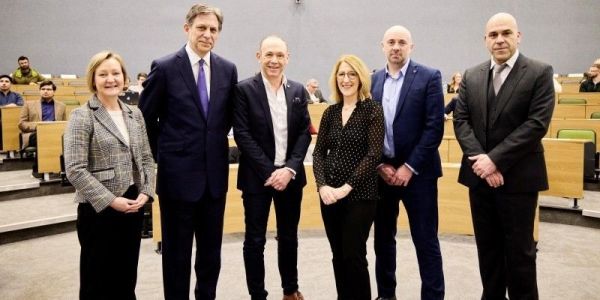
351, 75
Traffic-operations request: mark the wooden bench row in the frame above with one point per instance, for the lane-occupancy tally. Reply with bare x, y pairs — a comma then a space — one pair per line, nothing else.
453, 206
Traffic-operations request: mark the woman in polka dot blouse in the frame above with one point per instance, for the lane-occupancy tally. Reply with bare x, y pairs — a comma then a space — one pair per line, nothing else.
348, 150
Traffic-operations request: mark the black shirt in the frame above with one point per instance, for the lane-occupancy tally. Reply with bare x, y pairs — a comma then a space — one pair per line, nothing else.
350, 154
589, 86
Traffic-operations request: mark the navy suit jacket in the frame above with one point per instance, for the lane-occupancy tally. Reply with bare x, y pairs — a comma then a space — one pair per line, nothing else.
191, 150
253, 133
512, 135
419, 121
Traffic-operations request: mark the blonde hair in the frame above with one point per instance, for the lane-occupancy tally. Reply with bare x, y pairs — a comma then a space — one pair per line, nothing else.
98, 59
364, 78
453, 80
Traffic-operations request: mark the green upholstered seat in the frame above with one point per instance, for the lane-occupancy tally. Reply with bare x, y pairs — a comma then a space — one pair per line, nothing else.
571, 101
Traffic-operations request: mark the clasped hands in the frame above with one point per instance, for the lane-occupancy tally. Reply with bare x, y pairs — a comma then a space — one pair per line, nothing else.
279, 179
393, 176
330, 195
127, 205
485, 168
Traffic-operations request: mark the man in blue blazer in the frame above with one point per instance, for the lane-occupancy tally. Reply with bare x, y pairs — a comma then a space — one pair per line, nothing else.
413, 104
187, 105
271, 130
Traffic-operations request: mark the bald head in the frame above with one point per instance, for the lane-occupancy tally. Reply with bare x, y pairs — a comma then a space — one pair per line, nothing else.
502, 37
271, 39
397, 45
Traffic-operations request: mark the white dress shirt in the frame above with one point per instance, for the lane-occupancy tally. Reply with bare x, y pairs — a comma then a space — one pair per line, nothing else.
195, 61
278, 109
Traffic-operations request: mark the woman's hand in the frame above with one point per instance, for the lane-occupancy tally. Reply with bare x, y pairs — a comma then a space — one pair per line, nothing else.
129, 206
327, 195
342, 191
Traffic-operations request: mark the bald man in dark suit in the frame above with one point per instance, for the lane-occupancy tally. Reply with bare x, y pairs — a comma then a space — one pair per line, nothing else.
504, 109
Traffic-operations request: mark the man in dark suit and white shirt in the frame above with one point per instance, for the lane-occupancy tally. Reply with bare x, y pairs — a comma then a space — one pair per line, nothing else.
187, 106
413, 104
271, 130
504, 108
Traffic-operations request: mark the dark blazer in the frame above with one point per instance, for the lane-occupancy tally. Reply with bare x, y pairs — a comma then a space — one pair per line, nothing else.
253, 133
191, 151
524, 106
419, 121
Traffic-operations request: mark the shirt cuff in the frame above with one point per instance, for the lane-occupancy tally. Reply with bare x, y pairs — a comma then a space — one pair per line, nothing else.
291, 170
411, 169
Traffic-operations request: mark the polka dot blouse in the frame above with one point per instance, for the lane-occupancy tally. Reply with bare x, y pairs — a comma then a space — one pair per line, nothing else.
350, 153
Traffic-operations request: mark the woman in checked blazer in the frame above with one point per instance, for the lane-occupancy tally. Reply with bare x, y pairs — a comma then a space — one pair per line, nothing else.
109, 162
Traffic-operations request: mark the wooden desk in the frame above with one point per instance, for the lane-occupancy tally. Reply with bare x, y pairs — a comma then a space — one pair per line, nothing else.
591, 98
49, 149
316, 112
570, 87
592, 124
10, 128
448, 128
564, 162
570, 111
448, 97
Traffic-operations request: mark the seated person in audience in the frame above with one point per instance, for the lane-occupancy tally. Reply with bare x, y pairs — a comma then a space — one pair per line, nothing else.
592, 83
454, 83
35, 111
314, 94
8, 97
141, 77
449, 109
25, 74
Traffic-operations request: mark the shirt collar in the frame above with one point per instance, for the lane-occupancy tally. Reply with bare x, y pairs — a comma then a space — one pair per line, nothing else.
510, 62
194, 58
402, 70
268, 84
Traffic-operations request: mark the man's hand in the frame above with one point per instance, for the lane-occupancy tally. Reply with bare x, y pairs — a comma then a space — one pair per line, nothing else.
495, 179
279, 179
402, 176
386, 172
483, 166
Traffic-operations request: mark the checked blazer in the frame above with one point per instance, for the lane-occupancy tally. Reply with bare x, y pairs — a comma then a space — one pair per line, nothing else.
98, 161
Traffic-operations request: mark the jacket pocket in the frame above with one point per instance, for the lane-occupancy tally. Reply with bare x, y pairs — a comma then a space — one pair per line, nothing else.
104, 175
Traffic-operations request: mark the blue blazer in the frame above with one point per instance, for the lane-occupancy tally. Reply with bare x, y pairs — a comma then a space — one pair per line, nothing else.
191, 150
419, 121
253, 133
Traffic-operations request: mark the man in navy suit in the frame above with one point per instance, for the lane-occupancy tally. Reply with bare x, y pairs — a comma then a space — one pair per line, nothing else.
504, 109
271, 130
187, 105
413, 104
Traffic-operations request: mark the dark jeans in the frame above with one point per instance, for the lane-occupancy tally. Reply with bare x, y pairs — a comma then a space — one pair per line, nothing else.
110, 248
181, 221
420, 201
503, 224
256, 213
347, 224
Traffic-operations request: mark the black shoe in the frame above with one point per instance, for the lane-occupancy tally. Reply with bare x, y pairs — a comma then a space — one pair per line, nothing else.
37, 175
382, 298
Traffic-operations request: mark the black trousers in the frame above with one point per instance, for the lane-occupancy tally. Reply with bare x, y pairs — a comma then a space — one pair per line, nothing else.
110, 248
347, 224
256, 214
503, 224
181, 221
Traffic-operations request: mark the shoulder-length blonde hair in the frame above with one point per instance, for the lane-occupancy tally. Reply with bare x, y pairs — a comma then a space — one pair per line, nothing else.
98, 59
364, 78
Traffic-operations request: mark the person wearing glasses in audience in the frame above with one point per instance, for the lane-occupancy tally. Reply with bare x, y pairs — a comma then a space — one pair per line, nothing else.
345, 159
314, 93
109, 162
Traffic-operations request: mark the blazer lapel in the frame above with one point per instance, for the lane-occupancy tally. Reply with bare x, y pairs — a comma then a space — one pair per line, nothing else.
263, 101
289, 103
101, 114
378, 80
509, 85
187, 74
409, 77
484, 78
